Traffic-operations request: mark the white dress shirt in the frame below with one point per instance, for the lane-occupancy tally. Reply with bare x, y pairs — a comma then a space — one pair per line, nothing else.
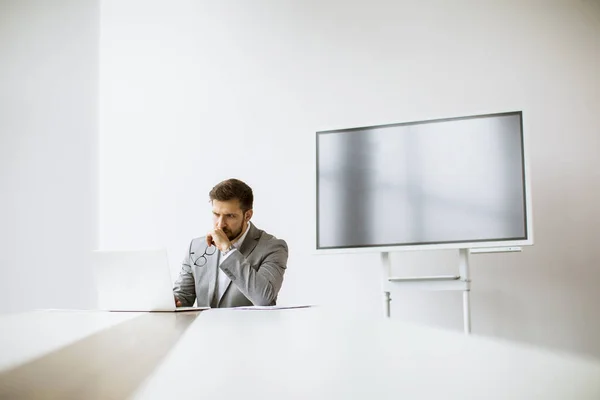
222, 279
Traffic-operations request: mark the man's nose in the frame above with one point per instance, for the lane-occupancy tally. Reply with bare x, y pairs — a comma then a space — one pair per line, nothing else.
220, 223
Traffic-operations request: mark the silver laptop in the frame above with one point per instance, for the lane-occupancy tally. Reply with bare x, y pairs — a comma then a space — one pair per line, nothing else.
134, 281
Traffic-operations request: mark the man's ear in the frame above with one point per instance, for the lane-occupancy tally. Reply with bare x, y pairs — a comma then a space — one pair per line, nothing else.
248, 215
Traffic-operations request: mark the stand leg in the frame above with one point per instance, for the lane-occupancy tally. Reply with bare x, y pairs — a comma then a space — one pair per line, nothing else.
386, 303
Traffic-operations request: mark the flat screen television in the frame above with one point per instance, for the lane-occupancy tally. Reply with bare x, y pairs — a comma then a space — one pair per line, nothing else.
443, 183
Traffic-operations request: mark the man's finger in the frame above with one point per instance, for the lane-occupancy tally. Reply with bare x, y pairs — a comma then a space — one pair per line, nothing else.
209, 239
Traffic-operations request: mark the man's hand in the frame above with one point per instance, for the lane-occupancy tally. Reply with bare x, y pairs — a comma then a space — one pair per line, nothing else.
218, 238
177, 302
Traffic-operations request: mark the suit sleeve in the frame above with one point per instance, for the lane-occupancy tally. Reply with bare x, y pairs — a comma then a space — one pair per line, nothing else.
185, 287
261, 285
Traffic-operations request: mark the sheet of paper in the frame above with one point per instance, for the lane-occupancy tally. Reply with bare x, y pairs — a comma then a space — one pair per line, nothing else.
271, 307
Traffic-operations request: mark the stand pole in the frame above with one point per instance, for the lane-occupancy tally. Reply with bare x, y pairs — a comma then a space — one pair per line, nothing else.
466, 277
387, 268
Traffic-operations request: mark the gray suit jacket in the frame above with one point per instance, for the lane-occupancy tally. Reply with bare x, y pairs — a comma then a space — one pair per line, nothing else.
256, 272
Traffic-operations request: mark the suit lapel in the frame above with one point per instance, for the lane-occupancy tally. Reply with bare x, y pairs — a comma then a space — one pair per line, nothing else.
251, 241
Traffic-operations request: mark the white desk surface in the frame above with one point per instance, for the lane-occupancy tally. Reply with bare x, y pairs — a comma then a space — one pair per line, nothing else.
315, 353
25, 336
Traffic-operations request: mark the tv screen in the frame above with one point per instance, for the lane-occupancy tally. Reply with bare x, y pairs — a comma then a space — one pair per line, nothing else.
457, 182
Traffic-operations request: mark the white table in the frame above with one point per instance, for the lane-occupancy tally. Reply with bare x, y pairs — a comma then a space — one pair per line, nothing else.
312, 353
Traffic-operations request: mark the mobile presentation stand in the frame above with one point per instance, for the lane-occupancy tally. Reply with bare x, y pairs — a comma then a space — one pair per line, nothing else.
460, 282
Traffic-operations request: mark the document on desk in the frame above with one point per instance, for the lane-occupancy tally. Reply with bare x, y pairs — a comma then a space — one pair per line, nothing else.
125, 310
271, 307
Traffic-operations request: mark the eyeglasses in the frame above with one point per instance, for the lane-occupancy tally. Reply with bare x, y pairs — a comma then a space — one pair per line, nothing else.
202, 260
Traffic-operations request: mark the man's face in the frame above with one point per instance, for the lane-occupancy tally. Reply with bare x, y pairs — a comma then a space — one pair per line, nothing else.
228, 216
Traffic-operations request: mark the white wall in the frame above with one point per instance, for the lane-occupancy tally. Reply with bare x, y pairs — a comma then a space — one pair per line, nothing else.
48, 134
193, 92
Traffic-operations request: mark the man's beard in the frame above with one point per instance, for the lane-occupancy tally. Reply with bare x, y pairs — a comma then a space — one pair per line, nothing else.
233, 235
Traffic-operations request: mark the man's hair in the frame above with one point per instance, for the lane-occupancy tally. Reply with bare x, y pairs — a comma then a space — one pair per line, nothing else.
233, 189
